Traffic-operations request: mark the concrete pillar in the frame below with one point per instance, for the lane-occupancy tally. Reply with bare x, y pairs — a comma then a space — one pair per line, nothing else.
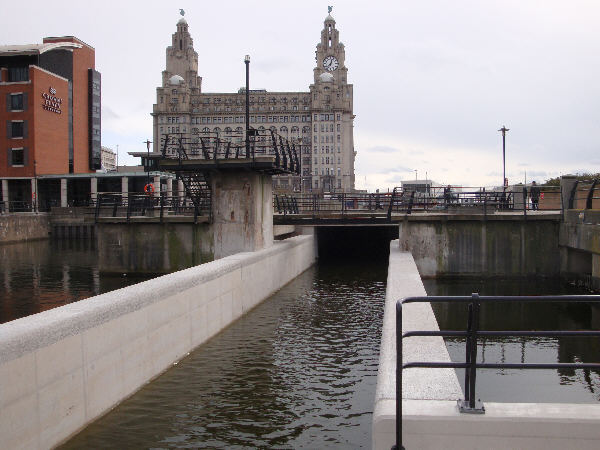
169, 187
34, 194
94, 188
242, 212
157, 185
180, 191
63, 193
124, 187
5, 194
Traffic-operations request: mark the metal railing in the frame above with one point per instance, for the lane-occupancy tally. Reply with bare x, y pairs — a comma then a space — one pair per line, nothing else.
470, 404
436, 200
116, 204
223, 146
584, 195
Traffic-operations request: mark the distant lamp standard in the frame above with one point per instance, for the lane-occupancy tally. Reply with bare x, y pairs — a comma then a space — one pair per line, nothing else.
503, 130
247, 62
148, 142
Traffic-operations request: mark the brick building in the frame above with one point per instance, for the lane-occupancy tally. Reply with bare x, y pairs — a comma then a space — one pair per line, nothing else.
50, 114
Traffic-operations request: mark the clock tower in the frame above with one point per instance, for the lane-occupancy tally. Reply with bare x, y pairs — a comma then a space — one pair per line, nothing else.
332, 115
330, 54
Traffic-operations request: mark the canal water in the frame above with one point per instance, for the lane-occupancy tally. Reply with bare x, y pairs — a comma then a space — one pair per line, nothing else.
40, 275
501, 385
299, 371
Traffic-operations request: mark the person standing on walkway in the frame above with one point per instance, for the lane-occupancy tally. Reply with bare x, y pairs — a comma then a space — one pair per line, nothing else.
534, 194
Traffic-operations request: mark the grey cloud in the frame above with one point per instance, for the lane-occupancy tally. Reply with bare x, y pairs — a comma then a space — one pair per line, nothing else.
394, 169
108, 113
383, 149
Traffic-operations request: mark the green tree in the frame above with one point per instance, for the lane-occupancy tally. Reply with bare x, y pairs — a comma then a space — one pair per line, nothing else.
578, 176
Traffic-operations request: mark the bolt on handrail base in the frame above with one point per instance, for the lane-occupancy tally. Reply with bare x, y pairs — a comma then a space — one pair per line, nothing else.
465, 408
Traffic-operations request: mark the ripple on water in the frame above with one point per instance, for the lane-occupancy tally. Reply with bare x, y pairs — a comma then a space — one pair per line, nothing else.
299, 371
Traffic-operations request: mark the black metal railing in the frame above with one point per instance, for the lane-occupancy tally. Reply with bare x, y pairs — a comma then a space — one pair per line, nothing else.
406, 201
128, 205
470, 404
232, 145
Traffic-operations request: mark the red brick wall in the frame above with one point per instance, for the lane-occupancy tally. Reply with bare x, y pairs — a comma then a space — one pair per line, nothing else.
51, 130
83, 59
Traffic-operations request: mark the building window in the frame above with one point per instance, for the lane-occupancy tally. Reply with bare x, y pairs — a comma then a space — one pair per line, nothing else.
16, 102
17, 129
17, 157
18, 74
339, 184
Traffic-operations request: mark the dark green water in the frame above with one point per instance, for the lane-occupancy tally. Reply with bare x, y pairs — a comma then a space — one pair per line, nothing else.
561, 386
299, 371
40, 275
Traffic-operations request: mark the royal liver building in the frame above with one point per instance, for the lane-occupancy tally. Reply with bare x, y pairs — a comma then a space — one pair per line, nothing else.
319, 121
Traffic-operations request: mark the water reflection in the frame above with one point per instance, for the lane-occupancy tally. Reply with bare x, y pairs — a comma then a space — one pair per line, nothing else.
299, 371
525, 385
40, 275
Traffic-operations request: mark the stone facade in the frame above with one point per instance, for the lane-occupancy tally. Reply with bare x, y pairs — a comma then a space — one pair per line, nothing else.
319, 121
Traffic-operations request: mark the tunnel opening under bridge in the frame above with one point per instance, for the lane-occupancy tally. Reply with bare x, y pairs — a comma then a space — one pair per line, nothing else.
366, 242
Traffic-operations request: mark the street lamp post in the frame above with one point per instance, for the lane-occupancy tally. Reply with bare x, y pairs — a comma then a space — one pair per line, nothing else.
247, 62
148, 142
503, 130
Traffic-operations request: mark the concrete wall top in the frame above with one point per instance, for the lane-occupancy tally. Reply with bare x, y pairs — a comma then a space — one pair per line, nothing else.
434, 384
24, 335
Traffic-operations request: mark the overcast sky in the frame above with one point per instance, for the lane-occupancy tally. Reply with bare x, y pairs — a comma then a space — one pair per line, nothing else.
433, 80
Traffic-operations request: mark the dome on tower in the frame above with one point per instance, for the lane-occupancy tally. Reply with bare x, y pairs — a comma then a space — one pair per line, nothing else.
326, 77
176, 80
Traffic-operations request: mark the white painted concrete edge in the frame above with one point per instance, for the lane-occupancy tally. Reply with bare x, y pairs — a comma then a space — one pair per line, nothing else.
434, 384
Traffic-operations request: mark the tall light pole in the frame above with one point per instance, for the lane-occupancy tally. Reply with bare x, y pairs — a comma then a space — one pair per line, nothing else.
503, 130
148, 142
247, 62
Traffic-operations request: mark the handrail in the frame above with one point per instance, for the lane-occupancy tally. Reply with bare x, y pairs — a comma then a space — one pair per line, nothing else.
470, 404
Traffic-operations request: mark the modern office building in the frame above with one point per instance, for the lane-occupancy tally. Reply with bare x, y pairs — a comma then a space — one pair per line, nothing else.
318, 121
50, 105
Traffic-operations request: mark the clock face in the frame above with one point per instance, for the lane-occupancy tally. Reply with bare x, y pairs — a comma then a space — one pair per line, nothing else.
330, 63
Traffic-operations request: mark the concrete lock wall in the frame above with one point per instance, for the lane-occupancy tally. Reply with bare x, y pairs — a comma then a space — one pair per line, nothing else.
482, 247
61, 369
153, 247
18, 227
431, 419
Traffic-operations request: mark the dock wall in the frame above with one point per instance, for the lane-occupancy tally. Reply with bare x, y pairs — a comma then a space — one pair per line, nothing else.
63, 368
19, 227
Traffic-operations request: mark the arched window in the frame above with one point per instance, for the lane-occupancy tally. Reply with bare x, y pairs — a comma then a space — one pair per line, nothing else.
205, 130
239, 130
295, 130
284, 130
217, 130
306, 129
272, 128
228, 130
